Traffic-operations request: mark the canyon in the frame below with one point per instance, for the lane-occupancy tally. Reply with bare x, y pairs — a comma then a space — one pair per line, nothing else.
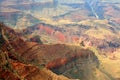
59, 40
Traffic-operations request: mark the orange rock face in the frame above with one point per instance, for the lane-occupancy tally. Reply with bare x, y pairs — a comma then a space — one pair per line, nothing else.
57, 63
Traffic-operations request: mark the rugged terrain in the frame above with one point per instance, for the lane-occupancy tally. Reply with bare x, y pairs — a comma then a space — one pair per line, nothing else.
13, 66
73, 61
58, 39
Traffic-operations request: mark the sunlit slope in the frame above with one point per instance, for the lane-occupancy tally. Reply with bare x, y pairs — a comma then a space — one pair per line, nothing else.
109, 65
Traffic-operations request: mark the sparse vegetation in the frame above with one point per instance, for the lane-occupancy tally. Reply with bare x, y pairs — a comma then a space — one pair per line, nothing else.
69, 38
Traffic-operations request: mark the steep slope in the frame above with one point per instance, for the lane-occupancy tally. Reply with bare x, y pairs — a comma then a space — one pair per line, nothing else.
31, 72
20, 71
62, 59
105, 48
12, 68
62, 36
99, 31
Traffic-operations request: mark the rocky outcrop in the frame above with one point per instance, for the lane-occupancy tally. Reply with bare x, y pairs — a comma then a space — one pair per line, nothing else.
31, 72
77, 65
69, 35
58, 57
69, 60
12, 67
